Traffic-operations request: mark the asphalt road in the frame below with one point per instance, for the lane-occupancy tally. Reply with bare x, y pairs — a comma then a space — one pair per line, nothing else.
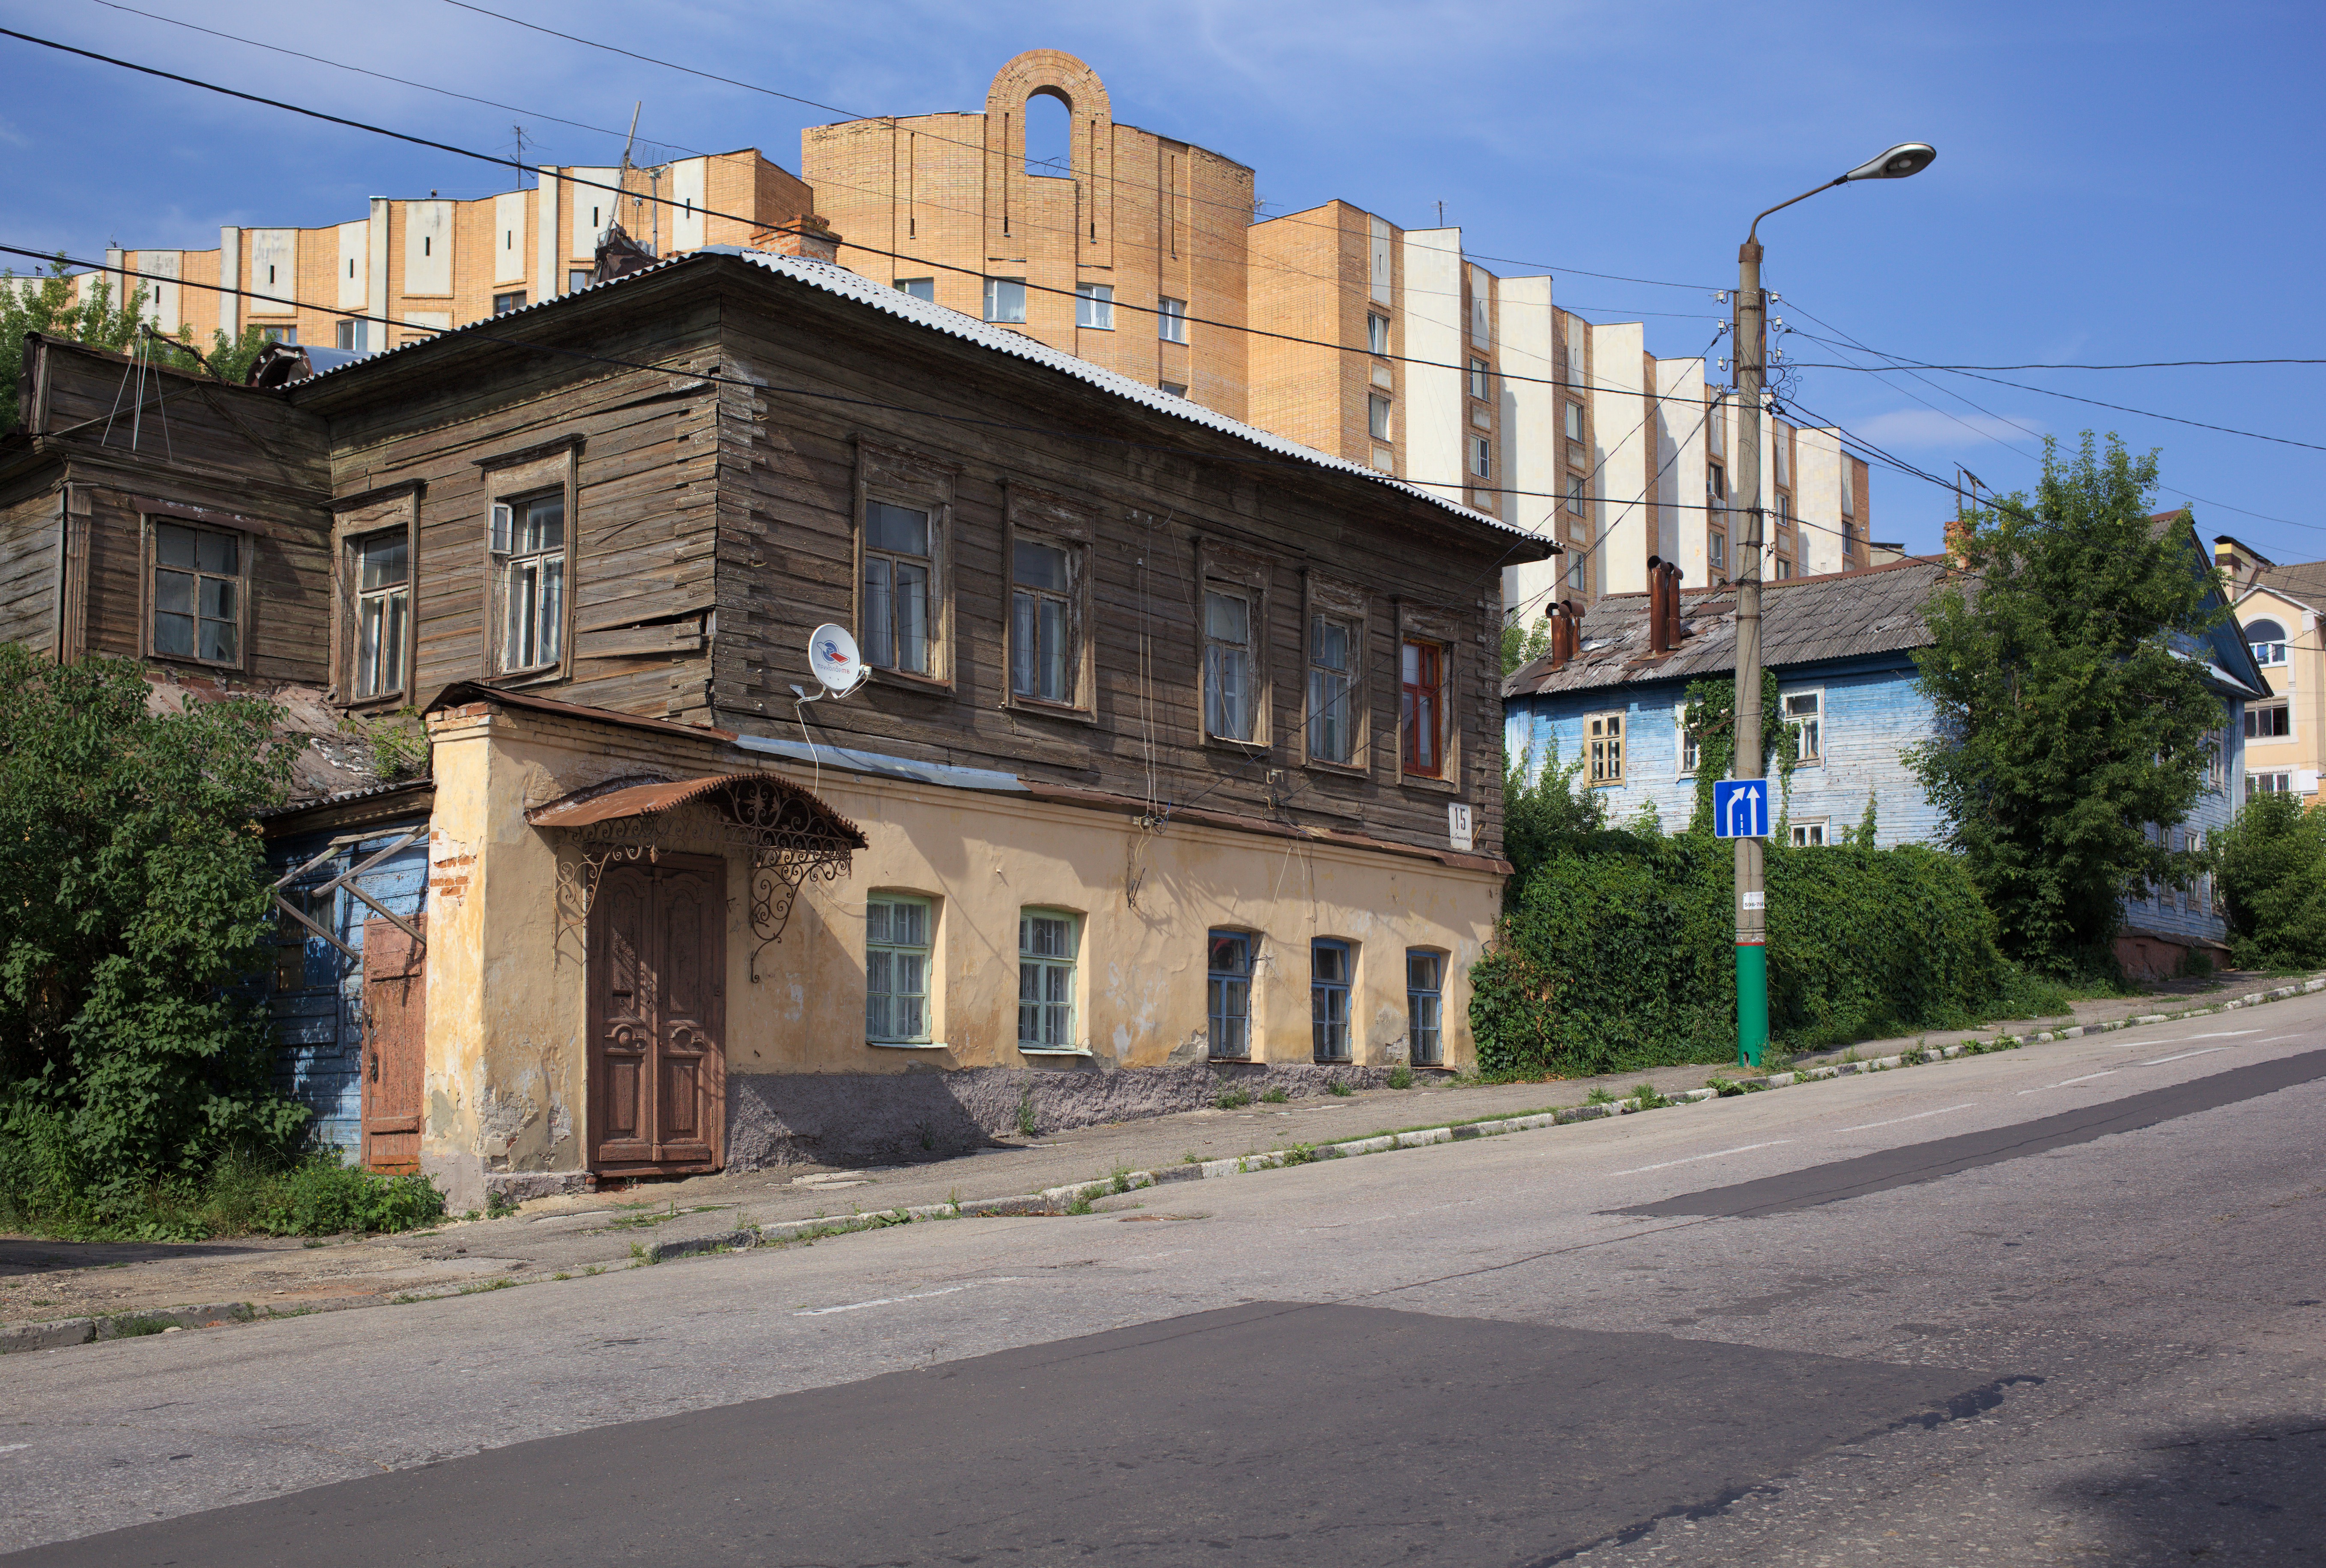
2057, 1305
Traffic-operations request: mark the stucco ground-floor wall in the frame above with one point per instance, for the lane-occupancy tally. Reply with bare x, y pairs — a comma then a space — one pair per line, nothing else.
507, 1056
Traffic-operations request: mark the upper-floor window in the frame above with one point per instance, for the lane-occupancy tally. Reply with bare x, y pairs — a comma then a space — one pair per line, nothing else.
1482, 457
1425, 997
1479, 371
2280, 783
1047, 942
528, 547
1005, 299
1329, 998
1688, 744
2268, 721
505, 303
1041, 623
920, 288
1228, 1004
1421, 710
1805, 715
898, 565
1718, 546
199, 575
1850, 540
1574, 420
578, 278
897, 968
2267, 640
1094, 306
1174, 388
1603, 739
1377, 333
1481, 307
1579, 499
1332, 679
279, 335
382, 570
1716, 484
353, 336
1784, 568
1228, 705
1171, 320
1377, 417
1809, 834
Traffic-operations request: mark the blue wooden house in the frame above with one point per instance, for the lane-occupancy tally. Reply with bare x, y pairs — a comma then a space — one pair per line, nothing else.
1842, 649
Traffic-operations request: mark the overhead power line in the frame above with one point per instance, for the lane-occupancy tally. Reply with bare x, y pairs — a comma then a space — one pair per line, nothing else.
571, 178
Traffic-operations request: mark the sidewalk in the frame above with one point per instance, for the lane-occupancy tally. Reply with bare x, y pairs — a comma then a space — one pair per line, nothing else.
151, 1287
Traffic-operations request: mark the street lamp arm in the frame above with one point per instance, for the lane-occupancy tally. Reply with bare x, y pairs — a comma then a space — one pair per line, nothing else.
1752, 234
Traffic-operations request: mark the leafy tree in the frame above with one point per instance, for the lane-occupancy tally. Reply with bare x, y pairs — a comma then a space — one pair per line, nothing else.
2068, 726
2273, 872
135, 900
1521, 645
1547, 815
45, 305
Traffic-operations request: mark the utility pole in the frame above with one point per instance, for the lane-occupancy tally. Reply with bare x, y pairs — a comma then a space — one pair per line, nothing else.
1749, 341
1750, 335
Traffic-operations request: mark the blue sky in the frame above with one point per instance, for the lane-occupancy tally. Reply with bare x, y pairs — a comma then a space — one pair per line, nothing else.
2115, 183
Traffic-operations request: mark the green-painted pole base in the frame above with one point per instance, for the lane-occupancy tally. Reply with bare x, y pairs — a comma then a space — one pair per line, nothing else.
1752, 1002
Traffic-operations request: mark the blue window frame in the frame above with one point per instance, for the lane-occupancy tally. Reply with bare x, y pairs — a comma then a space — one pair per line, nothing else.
1230, 1002
1425, 988
1328, 997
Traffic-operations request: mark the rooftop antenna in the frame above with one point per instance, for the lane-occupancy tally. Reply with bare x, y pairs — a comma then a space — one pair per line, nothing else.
622, 179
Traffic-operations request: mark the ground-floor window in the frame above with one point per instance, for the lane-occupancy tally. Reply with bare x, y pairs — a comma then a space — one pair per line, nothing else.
1425, 983
1229, 1003
1328, 997
897, 968
1809, 834
1047, 940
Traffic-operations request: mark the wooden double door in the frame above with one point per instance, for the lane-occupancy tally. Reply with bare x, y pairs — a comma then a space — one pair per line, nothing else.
657, 1015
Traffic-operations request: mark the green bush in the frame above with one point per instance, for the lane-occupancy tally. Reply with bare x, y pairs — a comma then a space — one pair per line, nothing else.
2273, 870
1617, 953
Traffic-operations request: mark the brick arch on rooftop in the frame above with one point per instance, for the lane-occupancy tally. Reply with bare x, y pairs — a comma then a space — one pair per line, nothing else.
1021, 218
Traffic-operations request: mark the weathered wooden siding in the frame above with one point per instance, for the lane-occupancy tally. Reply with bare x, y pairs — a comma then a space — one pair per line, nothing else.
319, 1024
32, 530
1161, 500
645, 462
199, 445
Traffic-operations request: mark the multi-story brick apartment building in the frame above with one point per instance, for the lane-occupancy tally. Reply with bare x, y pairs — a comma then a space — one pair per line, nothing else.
1144, 254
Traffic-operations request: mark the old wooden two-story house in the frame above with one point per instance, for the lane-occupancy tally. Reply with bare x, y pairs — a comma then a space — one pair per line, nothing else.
1178, 756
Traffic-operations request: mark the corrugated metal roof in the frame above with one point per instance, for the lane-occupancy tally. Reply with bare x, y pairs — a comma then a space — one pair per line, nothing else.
838, 280
1803, 621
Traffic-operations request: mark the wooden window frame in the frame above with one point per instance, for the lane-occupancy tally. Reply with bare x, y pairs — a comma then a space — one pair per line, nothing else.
903, 477
1077, 1024
245, 533
1346, 986
362, 517
1799, 833
928, 1035
1784, 702
510, 478
1328, 599
1213, 976
1425, 623
1036, 517
1223, 568
1622, 738
1442, 960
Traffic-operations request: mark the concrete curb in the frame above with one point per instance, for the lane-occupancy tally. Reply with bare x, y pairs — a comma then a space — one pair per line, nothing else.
1078, 1197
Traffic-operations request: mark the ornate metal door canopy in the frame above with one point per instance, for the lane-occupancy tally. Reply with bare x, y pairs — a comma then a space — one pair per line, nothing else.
791, 836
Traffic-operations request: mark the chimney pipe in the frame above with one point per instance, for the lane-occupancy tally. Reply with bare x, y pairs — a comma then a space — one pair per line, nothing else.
1672, 604
1657, 621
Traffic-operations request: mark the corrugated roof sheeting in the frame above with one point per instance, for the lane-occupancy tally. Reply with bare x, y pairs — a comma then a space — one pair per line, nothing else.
838, 280
1805, 620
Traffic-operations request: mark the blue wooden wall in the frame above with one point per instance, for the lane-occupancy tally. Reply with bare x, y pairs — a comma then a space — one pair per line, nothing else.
316, 994
1873, 712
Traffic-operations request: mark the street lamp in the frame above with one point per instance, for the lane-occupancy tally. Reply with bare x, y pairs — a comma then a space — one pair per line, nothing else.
1751, 332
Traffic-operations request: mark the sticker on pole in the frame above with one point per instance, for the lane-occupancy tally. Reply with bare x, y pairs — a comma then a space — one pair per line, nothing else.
1740, 809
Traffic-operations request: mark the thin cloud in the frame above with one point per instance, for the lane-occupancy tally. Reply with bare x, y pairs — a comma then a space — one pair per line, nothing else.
1925, 428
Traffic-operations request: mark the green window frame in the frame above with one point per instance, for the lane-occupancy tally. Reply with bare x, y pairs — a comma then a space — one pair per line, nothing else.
899, 935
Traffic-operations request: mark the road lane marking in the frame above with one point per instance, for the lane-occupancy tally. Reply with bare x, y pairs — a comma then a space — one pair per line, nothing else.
1918, 1115
13, 1447
2217, 1034
892, 1300
1692, 1159
2063, 1083
2185, 1056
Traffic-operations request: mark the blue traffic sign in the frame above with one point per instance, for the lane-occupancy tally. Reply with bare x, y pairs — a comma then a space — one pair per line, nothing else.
1740, 809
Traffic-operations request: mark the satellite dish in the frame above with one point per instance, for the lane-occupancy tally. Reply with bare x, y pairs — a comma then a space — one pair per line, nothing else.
832, 653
